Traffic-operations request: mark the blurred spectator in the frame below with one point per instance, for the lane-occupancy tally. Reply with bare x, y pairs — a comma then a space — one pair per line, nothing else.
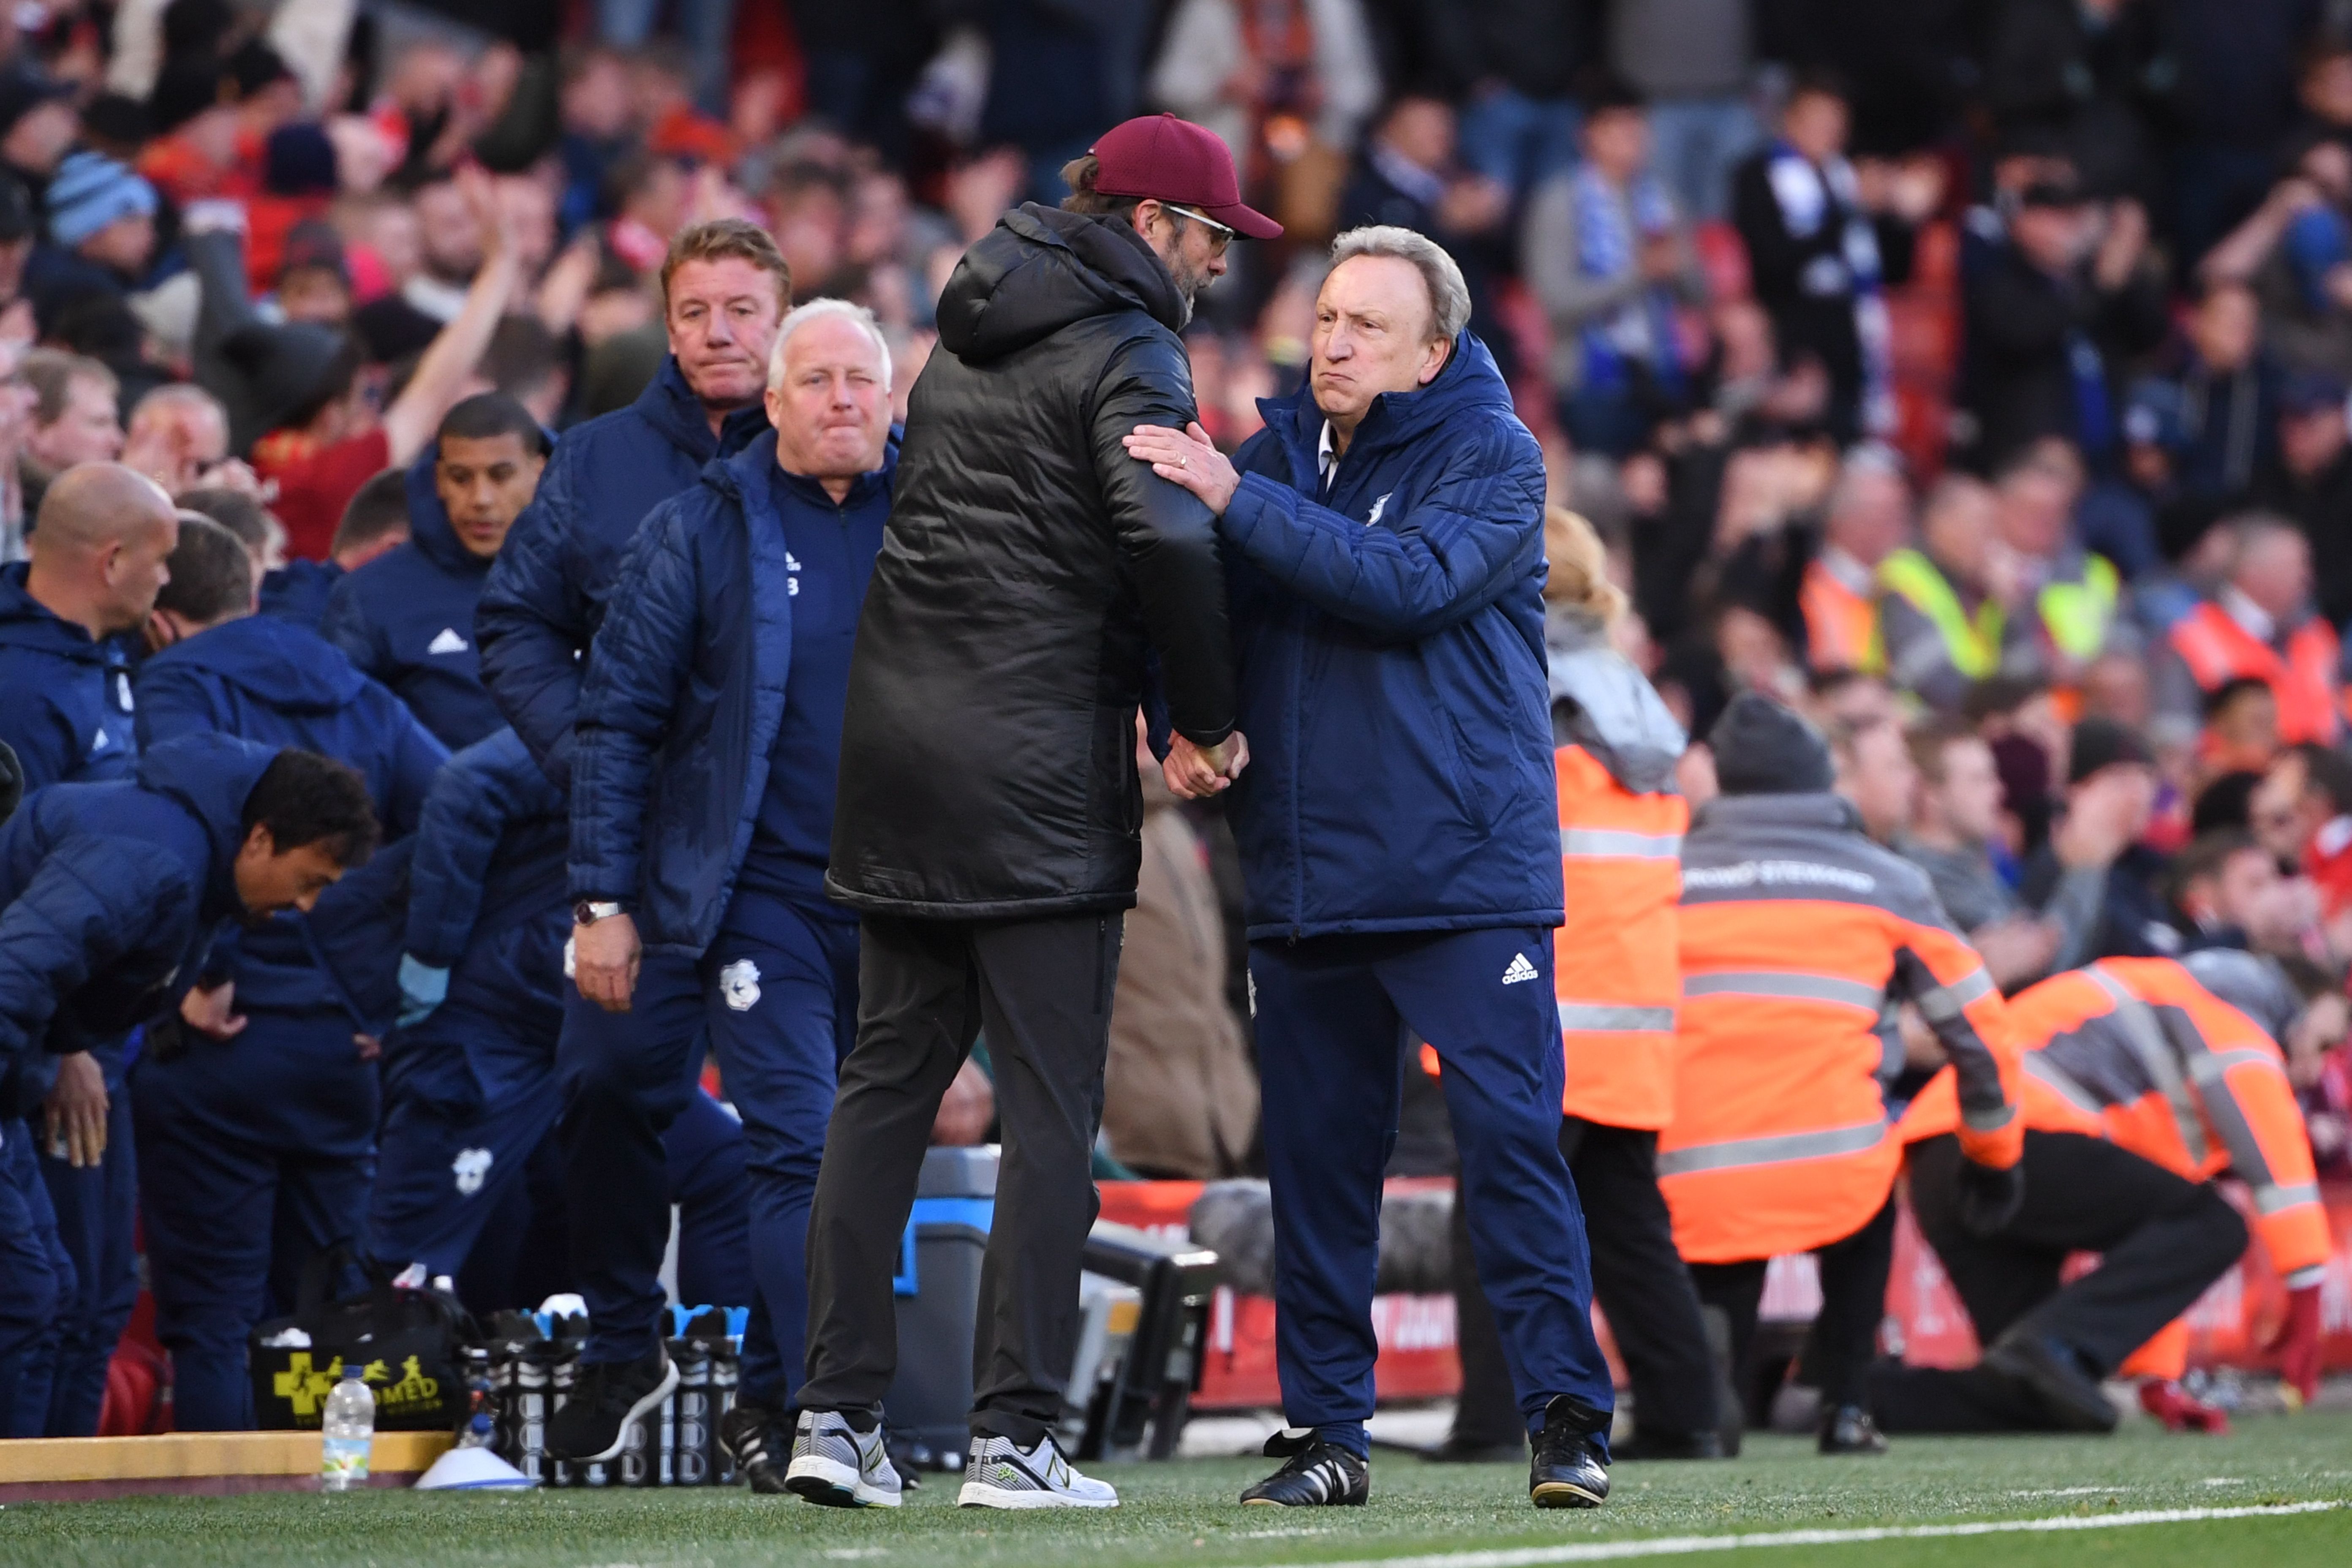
37, 125
1692, 58
1609, 257
2225, 890
1179, 1095
1868, 518
2109, 798
2089, 72
2303, 813
1288, 85
2052, 314
75, 419
2072, 595
2259, 625
1874, 771
1823, 247
1943, 609
450, 235
1520, 59
2231, 101
314, 277
2312, 485
1408, 177
176, 435
2241, 735
706, 26
1953, 835
101, 234
2295, 252
1060, 73
2229, 397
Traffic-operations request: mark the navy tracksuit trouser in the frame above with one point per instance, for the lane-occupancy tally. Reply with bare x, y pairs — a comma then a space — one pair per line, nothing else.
35, 1276
255, 1153
97, 1211
777, 991
1333, 1016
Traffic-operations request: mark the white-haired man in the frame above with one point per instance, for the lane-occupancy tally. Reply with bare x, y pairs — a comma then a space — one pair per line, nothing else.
1384, 545
702, 796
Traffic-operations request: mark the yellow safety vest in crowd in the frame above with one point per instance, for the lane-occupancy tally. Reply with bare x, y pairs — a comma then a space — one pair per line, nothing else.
2077, 614
1973, 645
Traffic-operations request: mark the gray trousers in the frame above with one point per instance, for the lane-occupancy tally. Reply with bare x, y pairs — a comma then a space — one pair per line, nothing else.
1042, 990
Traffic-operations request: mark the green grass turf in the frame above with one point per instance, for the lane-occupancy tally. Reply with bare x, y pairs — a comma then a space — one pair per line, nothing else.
1184, 1514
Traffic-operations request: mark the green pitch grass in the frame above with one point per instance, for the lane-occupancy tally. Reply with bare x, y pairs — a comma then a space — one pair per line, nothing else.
1184, 1514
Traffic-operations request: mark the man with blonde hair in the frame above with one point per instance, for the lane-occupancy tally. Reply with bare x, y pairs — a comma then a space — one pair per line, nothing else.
725, 289
1385, 538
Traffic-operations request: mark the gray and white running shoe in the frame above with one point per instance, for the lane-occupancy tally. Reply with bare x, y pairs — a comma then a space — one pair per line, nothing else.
1003, 1474
838, 1465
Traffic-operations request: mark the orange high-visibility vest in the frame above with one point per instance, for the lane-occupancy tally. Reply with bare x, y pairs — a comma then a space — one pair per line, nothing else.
2306, 681
1841, 626
2134, 1051
1614, 966
1780, 1140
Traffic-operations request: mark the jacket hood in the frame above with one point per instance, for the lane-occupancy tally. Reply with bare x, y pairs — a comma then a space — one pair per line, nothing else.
1824, 813
669, 406
1468, 381
212, 774
282, 665
27, 623
429, 527
1600, 702
1040, 270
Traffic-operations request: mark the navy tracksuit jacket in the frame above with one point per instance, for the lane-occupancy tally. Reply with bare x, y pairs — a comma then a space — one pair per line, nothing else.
109, 897
406, 618
268, 1137
1399, 835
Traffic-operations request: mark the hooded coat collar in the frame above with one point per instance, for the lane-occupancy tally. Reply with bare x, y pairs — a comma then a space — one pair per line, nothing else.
1042, 269
279, 663
669, 406
27, 623
211, 774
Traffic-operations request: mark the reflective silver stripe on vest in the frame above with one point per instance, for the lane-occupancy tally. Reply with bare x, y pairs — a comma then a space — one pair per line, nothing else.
2270, 1200
1616, 844
1945, 1003
2156, 1058
1991, 1119
2210, 1066
1609, 1017
1792, 985
1740, 1152
2055, 1077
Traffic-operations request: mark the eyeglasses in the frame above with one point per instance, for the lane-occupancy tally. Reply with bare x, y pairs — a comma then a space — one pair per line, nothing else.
1223, 233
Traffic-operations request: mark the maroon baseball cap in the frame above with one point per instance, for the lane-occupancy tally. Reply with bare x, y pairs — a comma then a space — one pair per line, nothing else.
1181, 163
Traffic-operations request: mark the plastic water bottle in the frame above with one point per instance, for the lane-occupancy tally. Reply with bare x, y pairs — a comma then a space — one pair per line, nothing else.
349, 1430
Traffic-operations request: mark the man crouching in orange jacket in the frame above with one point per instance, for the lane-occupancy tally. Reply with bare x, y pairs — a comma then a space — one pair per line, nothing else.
1796, 933
2142, 1084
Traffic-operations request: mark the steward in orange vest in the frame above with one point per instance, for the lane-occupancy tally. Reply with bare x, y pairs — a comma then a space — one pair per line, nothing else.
2141, 1086
1796, 933
2304, 672
1839, 598
1617, 982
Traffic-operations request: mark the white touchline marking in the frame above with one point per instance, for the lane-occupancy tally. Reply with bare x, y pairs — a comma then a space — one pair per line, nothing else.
2073, 1491
1683, 1545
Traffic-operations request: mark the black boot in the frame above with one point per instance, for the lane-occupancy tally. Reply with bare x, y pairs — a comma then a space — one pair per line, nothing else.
1849, 1429
1567, 1470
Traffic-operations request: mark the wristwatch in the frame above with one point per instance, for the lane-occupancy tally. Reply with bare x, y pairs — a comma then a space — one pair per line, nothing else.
588, 911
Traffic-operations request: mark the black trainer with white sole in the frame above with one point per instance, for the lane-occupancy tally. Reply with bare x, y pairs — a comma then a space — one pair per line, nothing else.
1315, 1474
593, 1424
1567, 1470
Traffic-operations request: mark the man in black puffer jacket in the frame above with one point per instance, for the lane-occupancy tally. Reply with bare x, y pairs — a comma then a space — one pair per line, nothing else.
988, 815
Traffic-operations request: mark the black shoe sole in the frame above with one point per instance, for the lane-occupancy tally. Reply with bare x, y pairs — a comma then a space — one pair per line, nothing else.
660, 1392
823, 1493
1565, 1494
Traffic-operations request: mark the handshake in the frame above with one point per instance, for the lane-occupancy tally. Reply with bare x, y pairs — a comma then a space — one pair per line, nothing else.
1195, 773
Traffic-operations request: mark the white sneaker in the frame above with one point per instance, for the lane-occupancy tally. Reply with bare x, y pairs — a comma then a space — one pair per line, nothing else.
1003, 1474
836, 1465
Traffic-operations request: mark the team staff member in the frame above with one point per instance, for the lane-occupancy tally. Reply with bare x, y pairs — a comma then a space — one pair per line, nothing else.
1620, 831
407, 619
1796, 931
110, 895
470, 1090
702, 798
256, 1124
1399, 847
2142, 1084
99, 552
1029, 572
724, 288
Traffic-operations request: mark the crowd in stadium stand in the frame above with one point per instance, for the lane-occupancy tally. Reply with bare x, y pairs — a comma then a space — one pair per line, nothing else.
1971, 377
